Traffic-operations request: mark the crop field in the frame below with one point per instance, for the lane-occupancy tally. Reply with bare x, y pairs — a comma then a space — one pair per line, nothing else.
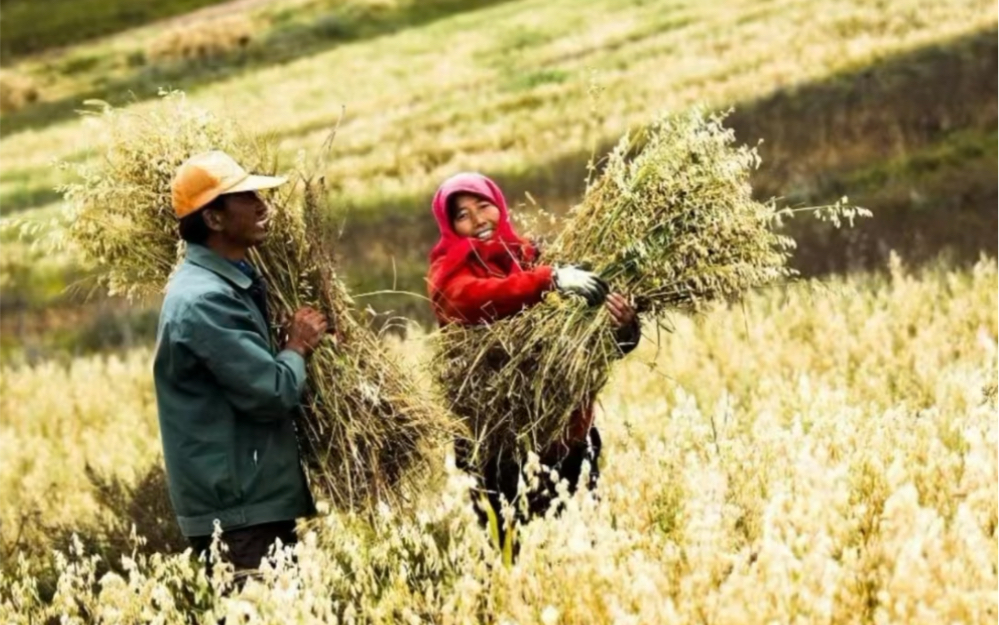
824, 453
822, 450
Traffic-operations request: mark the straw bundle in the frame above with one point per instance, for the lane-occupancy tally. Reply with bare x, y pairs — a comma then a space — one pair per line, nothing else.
672, 224
366, 426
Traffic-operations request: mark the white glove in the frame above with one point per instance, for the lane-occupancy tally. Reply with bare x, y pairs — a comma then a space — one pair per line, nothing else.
581, 282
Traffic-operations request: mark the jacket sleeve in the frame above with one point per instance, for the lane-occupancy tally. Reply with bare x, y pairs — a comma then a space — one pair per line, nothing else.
472, 299
260, 385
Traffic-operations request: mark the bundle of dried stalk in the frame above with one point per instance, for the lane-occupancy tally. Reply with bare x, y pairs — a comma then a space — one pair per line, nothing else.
671, 223
366, 430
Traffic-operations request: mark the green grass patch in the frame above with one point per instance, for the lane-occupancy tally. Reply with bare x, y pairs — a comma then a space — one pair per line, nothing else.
33, 26
23, 198
957, 150
531, 79
648, 57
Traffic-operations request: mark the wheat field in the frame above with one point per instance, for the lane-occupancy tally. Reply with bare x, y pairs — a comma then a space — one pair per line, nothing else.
825, 452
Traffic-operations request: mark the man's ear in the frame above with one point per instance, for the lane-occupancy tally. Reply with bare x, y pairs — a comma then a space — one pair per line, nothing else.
213, 219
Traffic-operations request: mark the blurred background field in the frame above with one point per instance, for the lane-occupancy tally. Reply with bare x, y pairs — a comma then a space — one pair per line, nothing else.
891, 102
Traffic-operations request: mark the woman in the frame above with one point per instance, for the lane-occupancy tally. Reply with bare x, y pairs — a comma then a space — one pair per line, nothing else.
481, 271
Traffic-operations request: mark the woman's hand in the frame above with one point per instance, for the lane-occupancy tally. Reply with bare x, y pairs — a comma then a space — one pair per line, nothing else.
621, 311
581, 282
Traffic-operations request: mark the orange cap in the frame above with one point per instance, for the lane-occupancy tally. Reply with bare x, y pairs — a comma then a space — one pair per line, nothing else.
204, 177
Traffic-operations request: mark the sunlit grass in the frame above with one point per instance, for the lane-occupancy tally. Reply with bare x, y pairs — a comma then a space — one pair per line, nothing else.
432, 100
826, 452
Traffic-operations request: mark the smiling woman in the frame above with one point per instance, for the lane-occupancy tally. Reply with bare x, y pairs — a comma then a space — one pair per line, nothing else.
473, 216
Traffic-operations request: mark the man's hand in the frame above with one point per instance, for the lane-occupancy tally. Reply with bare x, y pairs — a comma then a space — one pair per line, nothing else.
306, 330
621, 311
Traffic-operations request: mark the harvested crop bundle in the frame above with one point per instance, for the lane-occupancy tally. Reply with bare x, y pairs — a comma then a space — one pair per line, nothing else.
366, 427
670, 222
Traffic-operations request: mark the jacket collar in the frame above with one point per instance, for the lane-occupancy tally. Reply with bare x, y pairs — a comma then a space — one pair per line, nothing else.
205, 257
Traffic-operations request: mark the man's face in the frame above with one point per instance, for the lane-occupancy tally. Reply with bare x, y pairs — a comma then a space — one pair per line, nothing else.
243, 221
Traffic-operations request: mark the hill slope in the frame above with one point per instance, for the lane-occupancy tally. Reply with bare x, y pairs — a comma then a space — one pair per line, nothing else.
504, 88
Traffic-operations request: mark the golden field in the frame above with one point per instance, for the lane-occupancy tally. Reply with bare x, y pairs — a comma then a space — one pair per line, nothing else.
823, 453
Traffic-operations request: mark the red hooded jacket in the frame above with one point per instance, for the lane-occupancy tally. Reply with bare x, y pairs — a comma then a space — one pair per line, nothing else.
472, 281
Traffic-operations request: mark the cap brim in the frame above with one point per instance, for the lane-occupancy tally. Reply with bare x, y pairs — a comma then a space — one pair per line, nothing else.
257, 183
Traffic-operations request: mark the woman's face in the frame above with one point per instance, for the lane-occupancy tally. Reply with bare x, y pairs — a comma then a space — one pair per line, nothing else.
474, 216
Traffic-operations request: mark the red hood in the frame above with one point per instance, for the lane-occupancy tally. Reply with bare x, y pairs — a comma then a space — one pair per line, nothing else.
481, 186
452, 249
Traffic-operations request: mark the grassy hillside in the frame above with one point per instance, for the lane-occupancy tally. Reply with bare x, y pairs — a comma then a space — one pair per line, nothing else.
924, 119
33, 26
895, 106
217, 42
62, 32
428, 101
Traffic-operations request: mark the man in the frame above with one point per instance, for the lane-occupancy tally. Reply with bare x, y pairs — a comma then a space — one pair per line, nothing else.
226, 401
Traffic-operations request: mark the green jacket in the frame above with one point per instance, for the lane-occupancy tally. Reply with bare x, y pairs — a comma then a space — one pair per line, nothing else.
226, 403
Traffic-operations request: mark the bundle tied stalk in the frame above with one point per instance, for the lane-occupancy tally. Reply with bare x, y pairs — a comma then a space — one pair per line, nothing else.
366, 429
671, 223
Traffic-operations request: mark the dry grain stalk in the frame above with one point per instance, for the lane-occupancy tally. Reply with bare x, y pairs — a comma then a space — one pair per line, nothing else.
366, 430
671, 223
